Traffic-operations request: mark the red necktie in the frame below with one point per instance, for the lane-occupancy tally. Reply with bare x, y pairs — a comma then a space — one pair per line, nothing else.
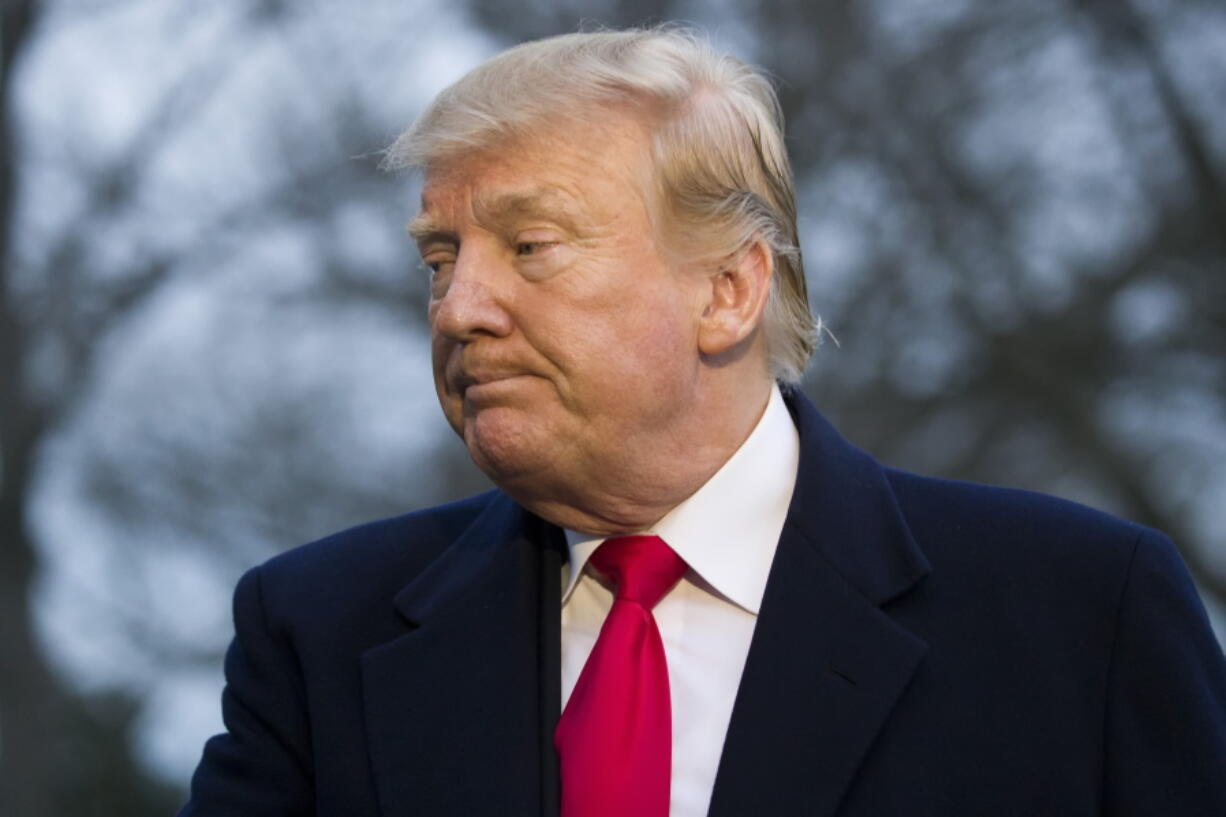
615, 738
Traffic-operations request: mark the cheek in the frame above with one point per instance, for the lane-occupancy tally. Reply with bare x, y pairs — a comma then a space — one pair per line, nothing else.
611, 325
440, 351
659, 327
646, 345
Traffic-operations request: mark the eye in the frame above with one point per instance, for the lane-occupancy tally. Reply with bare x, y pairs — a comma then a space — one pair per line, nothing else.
530, 247
438, 269
437, 262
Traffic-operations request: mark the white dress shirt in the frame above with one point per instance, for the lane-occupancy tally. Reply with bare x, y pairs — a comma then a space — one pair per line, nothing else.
727, 532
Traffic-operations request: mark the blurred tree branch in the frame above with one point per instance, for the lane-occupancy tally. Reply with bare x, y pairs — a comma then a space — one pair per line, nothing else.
64, 303
1044, 364
31, 698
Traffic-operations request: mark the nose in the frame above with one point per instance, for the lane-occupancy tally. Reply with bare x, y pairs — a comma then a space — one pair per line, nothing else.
474, 301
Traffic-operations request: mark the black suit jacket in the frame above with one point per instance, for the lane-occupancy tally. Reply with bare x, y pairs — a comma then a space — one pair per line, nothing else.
924, 647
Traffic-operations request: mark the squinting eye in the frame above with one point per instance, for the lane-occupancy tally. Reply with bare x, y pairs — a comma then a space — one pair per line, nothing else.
438, 275
526, 248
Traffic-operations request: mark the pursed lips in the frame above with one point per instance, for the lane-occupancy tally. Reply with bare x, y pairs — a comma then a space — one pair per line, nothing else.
465, 378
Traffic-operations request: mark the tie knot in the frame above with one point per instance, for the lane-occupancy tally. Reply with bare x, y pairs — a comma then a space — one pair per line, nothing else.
643, 568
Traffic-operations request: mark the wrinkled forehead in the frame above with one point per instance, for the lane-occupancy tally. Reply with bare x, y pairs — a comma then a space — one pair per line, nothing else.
466, 131
553, 168
492, 204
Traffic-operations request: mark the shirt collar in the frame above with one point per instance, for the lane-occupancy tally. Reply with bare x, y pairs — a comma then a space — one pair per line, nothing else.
728, 529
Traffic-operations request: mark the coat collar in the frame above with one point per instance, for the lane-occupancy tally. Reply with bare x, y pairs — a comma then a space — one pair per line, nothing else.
845, 509
826, 664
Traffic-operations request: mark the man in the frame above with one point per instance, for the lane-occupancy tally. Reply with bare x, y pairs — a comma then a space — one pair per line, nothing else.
689, 595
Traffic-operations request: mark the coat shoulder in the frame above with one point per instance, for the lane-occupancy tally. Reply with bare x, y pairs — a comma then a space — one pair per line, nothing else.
954, 519
1021, 561
368, 562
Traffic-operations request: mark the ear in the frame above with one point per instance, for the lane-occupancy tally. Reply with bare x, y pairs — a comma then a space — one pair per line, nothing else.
738, 292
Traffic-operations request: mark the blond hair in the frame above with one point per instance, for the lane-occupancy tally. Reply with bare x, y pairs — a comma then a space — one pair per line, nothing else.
717, 138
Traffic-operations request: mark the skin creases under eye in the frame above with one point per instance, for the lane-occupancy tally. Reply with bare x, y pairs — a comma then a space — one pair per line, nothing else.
539, 254
438, 263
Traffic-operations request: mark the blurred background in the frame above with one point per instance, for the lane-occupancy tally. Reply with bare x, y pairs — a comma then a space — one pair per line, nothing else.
212, 344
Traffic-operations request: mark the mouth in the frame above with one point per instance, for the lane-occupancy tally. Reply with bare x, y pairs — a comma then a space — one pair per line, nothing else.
479, 381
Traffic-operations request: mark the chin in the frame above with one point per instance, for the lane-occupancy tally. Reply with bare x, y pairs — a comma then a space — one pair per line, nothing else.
506, 445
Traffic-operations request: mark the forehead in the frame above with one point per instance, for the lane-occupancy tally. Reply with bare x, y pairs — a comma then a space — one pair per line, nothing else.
499, 194
581, 165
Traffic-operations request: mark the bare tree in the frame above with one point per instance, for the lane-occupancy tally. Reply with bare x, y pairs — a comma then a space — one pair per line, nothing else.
31, 698
990, 340
216, 455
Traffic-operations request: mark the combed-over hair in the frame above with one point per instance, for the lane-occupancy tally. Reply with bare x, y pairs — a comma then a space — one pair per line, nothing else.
723, 175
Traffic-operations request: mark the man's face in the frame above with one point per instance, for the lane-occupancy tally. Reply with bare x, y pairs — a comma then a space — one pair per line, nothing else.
564, 345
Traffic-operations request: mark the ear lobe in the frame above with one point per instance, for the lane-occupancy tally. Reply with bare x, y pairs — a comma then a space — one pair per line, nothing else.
738, 297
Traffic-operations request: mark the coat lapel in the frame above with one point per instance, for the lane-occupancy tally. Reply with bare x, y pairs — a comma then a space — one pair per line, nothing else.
457, 713
826, 664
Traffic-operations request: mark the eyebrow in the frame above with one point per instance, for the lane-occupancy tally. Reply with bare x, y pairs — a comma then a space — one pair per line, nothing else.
423, 229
